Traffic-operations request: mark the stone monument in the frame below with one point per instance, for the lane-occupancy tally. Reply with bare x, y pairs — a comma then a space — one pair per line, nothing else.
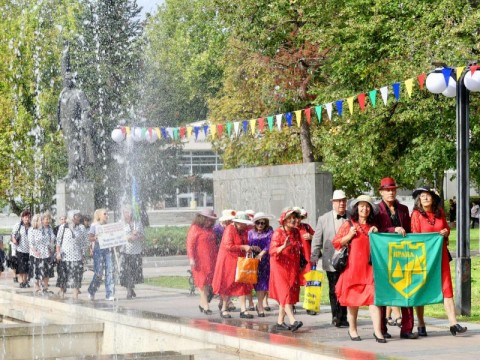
75, 192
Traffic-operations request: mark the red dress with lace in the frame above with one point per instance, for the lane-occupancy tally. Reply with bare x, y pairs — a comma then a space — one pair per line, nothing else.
422, 224
355, 285
285, 267
306, 248
202, 248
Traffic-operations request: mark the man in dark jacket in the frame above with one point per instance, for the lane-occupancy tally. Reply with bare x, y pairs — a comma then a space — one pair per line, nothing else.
394, 217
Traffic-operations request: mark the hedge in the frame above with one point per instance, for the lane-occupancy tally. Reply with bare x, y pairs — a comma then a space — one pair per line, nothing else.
164, 241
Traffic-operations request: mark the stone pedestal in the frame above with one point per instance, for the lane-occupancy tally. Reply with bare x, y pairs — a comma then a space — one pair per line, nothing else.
74, 195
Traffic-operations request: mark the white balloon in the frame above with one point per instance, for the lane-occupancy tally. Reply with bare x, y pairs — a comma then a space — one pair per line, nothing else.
151, 138
137, 134
451, 90
118, 136
472, 82
436, 83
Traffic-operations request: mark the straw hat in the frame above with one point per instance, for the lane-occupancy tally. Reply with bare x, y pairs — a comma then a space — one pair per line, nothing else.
367, 199
338, 195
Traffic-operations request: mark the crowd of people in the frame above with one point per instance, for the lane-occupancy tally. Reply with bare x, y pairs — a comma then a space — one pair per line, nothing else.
213, 250
37, 251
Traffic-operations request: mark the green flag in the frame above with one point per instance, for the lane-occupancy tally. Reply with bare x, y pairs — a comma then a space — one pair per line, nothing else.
407, 270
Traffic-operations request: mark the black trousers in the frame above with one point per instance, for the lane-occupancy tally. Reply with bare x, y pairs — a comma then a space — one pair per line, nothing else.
338, 311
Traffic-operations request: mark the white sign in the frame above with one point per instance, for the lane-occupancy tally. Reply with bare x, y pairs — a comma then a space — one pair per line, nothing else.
111, 235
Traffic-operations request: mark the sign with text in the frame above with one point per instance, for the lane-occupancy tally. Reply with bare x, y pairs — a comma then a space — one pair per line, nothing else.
111, 235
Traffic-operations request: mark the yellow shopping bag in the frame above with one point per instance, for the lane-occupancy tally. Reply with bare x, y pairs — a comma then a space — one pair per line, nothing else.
313, 290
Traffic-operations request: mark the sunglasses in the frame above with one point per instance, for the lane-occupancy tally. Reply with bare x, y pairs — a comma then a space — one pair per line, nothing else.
260, 223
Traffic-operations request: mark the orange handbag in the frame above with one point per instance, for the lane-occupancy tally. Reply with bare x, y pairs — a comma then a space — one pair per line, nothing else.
247, 270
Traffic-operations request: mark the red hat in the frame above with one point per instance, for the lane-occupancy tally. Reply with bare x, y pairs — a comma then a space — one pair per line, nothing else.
388, 183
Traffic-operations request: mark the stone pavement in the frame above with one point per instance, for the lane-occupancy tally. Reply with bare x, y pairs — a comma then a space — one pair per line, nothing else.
317, 339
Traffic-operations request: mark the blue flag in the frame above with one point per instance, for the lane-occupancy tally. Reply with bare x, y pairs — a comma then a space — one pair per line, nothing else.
407, 270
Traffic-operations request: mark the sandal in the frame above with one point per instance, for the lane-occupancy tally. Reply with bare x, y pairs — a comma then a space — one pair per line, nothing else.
225, 315
390, 321
398, 321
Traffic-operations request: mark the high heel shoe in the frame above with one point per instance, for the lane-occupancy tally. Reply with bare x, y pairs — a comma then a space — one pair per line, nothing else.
457, 328
260, 314
422, 331
356, 338
205, 311
379, 340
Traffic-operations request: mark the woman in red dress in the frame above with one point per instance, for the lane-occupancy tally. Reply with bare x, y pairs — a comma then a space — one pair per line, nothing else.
202, 252
306, 235
284, 286
234, 244
355, 286
428, 216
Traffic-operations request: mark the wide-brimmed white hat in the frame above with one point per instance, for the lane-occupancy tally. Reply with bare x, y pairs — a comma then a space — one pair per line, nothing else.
367, 199
261, 215
228, 214
250, 213
338, 195
242, 218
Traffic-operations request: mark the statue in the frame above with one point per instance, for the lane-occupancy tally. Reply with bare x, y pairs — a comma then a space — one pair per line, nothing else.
73, 119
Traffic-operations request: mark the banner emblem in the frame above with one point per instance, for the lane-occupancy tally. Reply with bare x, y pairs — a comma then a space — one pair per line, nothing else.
407, 267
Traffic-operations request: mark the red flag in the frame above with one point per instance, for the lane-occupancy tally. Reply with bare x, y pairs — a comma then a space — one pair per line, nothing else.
219, 130
473, 68
123, 130
361, 100
182, 132
261, 123
421, 80
307, 114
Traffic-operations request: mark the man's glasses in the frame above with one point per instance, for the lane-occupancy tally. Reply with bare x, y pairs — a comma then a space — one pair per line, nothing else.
263, 223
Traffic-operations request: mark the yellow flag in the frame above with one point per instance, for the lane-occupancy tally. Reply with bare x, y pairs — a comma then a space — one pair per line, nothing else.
460, 71
350, 104
298, 117
127, 130
213, 131
409, 86
252, 125
189, 131
157, 130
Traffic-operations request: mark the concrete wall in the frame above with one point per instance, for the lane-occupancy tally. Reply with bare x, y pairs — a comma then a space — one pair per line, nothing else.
271, 188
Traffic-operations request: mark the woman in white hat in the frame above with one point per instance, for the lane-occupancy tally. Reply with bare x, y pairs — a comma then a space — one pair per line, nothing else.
227, 216
355, 285
234, 244
202, 252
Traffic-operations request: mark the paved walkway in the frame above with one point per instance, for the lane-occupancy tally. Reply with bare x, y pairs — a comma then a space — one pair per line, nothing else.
317, 335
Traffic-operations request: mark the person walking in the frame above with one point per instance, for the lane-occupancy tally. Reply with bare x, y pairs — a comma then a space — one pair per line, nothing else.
355, 285
131, 272
42, 244
427, 217
202, 253
322, 247
20, 240
393, 217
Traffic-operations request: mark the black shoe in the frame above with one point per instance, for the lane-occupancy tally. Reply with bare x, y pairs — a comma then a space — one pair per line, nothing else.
344, 323
296, 325
356, 338
335, 322
379, 340
281, 327
457, 328
23, 285
260, 314
15, 279
387, 335
27, 285
225, 315
251, 308
410, 335
422, 331
311, 312
129, 294
133, 294
244, 315
267, 308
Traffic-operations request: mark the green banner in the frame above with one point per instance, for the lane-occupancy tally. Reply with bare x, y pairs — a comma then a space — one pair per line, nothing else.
407, 270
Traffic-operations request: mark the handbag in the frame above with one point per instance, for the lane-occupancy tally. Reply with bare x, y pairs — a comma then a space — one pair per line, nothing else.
340, 259
247, 270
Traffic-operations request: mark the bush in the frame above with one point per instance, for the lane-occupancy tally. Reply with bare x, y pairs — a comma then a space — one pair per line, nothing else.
164, 241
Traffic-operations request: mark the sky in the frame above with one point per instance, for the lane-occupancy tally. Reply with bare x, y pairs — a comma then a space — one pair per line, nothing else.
149, 5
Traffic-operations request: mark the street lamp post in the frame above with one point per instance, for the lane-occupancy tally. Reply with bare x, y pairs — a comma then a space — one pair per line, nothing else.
441, 81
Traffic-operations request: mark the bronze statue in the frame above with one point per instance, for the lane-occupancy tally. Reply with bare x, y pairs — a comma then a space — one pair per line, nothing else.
73, 119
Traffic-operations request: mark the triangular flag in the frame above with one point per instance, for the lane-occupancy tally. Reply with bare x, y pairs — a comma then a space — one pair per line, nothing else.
372, 94
329, 107
245, 126
288, 116
220, 130
278, 117
396, 90
157, 130
261, 124
182, 132
164, 133
170, 132
409, 86
124, 130
474, 68
318, 111
196, 129
213, 131
229, 129
175, 133
236, 127
298, 117
350, 104
144, 133
339, 105
308, 114
460, 71
421, 80
252, 126
205, 129
384, 92
189, 131
149, 130
361, 101
446, 74
270, 122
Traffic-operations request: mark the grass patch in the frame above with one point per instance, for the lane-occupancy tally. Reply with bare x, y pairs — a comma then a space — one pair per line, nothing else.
174, 282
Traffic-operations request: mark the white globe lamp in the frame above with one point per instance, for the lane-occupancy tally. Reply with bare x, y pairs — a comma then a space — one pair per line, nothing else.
472, 82
436, 83
451, 90
118, 136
